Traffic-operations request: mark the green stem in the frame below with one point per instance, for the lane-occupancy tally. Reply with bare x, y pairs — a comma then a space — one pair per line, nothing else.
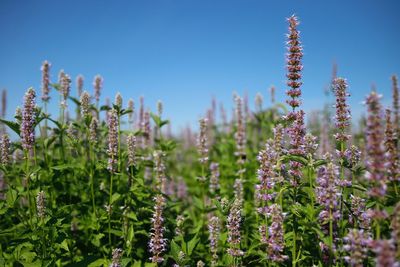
110, 210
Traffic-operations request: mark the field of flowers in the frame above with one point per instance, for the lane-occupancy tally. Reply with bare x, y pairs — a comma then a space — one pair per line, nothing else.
110, 185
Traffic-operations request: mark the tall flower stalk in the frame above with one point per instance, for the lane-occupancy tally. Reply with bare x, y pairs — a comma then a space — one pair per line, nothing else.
158, 243
112, 158
233, 223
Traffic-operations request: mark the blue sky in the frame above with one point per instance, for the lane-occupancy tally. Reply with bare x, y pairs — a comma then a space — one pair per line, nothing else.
185, 51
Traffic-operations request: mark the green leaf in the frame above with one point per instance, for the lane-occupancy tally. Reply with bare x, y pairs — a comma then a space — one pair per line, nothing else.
192, 244
13, 126
98, 263
11, 197
64, 245
115, 197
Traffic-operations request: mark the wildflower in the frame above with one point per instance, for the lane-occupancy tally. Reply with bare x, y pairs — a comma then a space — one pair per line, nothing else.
72, 132
182, 189
159, 169
200, 264
202, 142
259, 102
65, 86
159, 108
294, 65
40, 204
131, 106
214, 231
233, 225
214, 178
131, 141
391, 149
272, 93
266, 177
112, 140
45, 80
116, 257
28, 120
240, 135
85, 103
93, 130
310, 144
238, 190
327, 191
141, 113
342, 109
5, 149
118, 100
357, 242
179, 231
296, 134
396, 106
360, 213
79, 84
146, 128
157, 244
353, 155
276, 235
97, 84
395, 226
385, 253
375, 162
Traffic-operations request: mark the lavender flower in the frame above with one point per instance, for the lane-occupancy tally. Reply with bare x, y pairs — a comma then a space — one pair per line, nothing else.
131, 141
294, 66
385, 253
342, 109
396, 106
146, 128
391, 149
310, 144
214, 230
45, 81
112, 140
116, 258
41, 205
65, 87
395, 226
131, 106
272, 93
375, 162
361, 215
5, 149
157, 244
159, 108
97, 84
179, 231
276, 241
233, 225
357, 242
159, 169
353, 155
259, 102
327, 191
238, 190
93, 130
28, 120
266, 176
118, 100
240, 135
214, 178
85, 104
296, 134
79, 84
202, 142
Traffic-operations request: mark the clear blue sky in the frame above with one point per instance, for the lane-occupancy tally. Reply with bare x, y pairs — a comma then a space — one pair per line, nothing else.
185, 51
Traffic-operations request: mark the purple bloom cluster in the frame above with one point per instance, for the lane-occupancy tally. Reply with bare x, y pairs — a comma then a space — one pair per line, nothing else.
40, 204
214, 178
159, 169
385, 251
202, 142
97, 84
131, 143
294, 65
93, 130
240, 135
214, 230
28, 120
79, 84
327, 190
65, 87
276, 241
360, 214
296, 133
85, 104
233, 225
116, 258
157, 244
45, 80
375, 163
4, 149
112, 140
342, 116
392, 155
266, 176
357, 242
396, 105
